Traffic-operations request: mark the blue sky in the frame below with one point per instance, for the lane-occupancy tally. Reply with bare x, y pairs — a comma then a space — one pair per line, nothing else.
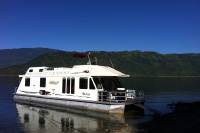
164, 26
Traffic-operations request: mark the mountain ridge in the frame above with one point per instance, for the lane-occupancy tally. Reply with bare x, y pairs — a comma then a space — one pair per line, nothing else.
9, 57
135, 63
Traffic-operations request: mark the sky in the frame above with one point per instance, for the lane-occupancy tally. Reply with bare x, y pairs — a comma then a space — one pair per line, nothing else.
164, 26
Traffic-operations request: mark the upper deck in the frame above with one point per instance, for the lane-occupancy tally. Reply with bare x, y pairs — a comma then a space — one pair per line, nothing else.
76, 71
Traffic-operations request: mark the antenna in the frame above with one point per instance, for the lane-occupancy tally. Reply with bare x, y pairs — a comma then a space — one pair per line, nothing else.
111, 63
89, 58
96, 60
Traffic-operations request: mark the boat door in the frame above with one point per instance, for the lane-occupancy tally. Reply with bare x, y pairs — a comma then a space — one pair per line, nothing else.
87, 89
93, 90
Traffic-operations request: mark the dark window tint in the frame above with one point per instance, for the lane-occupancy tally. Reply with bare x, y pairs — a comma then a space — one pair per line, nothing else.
50, 68
91, 84
97, 83
42, 82
31, 70
41, 70
63, 85
73, 86
107, 83
27, 82
68, 85
117, 83
83, 83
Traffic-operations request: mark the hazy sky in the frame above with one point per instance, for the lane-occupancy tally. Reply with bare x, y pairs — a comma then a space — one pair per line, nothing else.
164, 26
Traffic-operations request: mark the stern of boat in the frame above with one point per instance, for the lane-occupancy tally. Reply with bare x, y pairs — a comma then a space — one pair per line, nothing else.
135, 96
122, 96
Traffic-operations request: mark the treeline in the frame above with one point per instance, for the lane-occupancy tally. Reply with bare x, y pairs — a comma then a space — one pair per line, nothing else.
134, 63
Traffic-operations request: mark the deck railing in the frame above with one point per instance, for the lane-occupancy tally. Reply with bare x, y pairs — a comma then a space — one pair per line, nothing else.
121, 96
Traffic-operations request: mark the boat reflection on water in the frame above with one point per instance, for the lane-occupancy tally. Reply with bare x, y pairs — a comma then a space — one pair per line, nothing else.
44, 118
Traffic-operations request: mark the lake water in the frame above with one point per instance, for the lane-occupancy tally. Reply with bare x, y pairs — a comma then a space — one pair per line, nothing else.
159, 91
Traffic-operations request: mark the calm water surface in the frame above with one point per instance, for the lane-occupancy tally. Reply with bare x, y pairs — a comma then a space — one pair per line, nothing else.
159, 92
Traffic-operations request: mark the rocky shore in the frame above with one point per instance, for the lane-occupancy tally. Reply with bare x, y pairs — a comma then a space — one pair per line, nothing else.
185, 118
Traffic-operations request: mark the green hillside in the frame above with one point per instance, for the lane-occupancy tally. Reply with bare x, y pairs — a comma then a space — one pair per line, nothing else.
134, 63
9, 57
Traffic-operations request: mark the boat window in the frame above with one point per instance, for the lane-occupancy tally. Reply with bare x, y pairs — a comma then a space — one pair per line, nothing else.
50, 68
97, 83
63, 85
68, 85
83, 83
31, 70
41, 70
107, 83
91, 84
111, 83
27, 82
73, 85
42, 82
117, 82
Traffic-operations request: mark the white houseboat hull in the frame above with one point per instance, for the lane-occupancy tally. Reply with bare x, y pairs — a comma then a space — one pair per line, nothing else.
89, 105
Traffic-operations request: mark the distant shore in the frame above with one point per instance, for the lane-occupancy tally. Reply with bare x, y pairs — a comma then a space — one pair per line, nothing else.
9, 75
178, 76
164, 76
141, 76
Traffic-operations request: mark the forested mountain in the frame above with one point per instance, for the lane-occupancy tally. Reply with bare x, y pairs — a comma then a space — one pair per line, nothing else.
9, 57
134, 63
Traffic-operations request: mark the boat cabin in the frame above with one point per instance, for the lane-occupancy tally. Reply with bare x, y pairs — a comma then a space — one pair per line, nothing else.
83, 82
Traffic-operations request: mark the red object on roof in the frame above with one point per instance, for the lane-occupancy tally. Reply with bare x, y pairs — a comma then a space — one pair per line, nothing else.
80, 55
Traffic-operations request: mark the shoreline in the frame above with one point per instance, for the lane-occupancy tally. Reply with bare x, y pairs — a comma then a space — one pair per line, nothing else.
184, 118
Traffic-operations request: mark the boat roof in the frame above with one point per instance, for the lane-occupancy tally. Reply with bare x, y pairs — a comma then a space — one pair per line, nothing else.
76, 71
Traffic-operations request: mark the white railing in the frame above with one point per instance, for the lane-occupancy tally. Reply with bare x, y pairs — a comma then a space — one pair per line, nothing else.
121, 96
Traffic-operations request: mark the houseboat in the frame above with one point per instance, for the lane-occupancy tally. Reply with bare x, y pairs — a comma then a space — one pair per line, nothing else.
91, 86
